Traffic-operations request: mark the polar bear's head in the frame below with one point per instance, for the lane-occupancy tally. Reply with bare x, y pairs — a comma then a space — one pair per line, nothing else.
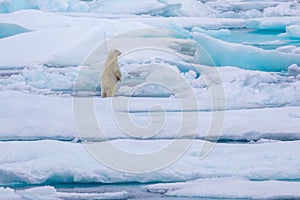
114, 52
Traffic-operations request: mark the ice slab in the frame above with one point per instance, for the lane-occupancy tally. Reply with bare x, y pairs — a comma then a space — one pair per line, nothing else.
248, 57
25, 117
8, 193
254, 9
64, 38
235, 9
55, 6
43, 162
292, 32
49, 192
53, 47
229, 188
153, 7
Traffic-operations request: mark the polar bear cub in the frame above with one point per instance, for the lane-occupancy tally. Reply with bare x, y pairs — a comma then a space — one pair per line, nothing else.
111, 74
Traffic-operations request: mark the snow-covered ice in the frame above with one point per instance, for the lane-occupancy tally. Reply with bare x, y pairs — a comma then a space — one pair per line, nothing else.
33, 163
227, 188
26, 121
48, 192
248, 57
163, 8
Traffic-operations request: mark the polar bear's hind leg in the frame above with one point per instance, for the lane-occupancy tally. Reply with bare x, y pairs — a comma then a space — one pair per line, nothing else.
109, 93
103, 94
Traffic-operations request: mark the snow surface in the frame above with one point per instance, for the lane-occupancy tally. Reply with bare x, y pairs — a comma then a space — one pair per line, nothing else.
50, 47
8, 193
227, 188
64, 35
33, 163
185, 63
26, 121
152, 7
163, 8
48, 192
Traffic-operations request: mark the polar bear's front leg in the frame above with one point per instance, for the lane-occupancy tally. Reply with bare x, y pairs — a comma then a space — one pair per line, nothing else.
118, 75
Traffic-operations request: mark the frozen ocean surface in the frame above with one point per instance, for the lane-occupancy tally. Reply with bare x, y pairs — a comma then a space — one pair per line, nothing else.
208, 106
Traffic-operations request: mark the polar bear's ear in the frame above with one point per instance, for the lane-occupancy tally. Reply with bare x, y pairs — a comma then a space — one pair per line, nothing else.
117, 52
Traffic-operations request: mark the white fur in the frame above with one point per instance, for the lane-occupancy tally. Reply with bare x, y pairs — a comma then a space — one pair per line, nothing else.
111, 74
